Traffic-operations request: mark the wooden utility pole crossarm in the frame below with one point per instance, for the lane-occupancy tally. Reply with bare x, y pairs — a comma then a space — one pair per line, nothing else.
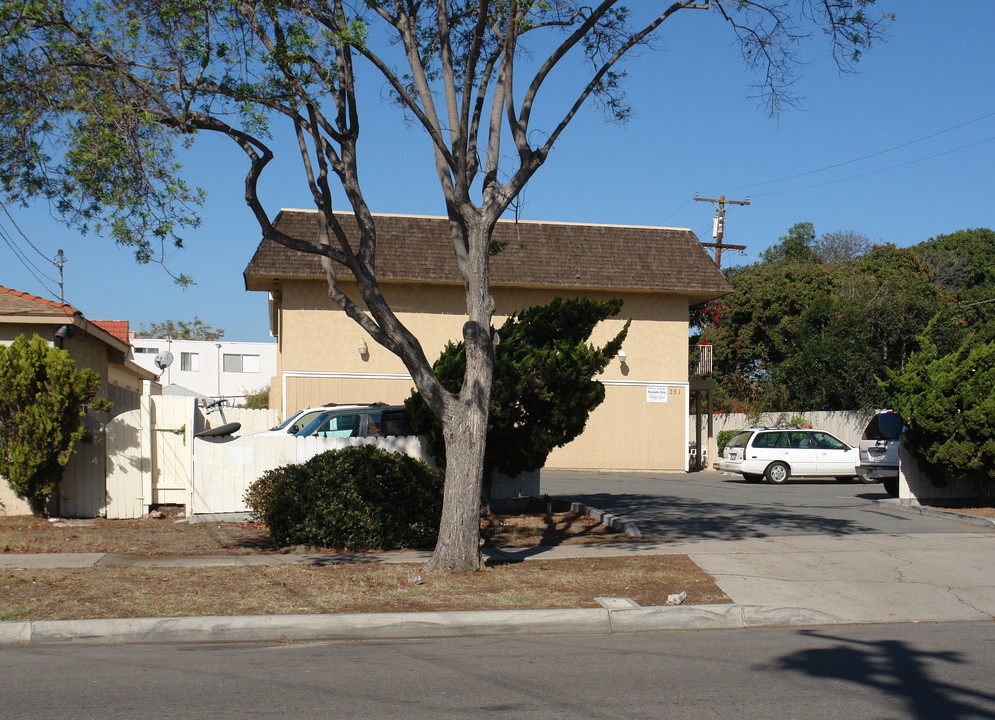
718, 229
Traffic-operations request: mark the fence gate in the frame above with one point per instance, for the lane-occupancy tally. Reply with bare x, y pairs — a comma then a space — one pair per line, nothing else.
129, 463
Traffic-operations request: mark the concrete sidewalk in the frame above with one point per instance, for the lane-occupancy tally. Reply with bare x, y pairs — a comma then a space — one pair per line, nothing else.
776, 581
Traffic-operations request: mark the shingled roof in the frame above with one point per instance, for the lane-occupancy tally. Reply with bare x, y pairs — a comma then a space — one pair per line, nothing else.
536, 254
17, 303
22, 307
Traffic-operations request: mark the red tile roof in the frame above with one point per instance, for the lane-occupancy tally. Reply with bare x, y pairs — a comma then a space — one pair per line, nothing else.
535, 254
15, 302
117, 328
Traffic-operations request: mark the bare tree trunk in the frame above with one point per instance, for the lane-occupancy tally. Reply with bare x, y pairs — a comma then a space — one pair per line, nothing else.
458, 546
464, 422
465, 430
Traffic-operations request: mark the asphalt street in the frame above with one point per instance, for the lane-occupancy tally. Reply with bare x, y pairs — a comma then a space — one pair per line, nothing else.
919, 672
713, 505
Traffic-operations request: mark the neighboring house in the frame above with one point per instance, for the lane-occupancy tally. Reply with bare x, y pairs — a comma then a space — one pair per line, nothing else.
99, 345
324, 356
208, 368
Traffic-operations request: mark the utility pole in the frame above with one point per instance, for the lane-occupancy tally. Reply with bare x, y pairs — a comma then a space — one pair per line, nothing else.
718, 225
60, 260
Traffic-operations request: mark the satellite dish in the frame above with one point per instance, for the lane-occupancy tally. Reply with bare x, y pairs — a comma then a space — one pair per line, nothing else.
162, 360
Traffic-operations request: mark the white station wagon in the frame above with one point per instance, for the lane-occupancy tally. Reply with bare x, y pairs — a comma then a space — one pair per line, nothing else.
775, 454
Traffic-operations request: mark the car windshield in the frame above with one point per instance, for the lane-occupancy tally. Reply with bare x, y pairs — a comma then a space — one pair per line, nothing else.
332, 424
289, 420
313, 425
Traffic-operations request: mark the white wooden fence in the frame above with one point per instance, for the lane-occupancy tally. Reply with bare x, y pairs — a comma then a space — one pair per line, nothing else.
150, 457
138, 459
223, 471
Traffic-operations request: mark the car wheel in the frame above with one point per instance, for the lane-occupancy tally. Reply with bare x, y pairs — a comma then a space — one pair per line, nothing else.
891, 486
752, 478
777, 473
845, 478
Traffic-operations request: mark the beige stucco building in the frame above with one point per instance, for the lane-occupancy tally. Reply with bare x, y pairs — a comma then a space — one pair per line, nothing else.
323, 356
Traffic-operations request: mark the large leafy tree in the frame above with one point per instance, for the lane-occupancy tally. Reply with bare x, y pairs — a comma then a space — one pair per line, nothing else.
948, 403
545, 384
42, 398
813, 325
95, 93
195, 329
963, 263
946, 394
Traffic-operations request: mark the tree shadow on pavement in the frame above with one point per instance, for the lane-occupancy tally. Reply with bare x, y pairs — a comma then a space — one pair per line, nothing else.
665, 516
898, 670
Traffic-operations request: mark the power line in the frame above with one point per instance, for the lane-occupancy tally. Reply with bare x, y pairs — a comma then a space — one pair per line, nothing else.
21, 233
23, 258
879, 170
874, 154
678, 209
28, 265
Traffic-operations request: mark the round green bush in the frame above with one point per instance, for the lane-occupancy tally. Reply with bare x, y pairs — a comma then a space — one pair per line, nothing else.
360, 498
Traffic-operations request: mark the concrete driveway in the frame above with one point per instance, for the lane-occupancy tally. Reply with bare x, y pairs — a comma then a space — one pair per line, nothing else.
715, 505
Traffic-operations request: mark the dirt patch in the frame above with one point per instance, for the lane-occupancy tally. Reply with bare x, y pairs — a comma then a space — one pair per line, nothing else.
134, 537
166, 536
988, 512
110, 592
563, 528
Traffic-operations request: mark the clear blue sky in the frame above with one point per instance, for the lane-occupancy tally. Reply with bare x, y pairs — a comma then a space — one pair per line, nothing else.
917, 122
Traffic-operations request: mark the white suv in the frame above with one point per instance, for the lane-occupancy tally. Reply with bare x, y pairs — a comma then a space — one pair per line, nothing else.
299, 420
879, 450
775, 454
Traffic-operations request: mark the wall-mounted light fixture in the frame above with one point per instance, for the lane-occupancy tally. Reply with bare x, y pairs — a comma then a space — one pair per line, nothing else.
621, 356
364, 352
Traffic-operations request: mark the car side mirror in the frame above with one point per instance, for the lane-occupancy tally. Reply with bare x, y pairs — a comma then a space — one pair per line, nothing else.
293, 430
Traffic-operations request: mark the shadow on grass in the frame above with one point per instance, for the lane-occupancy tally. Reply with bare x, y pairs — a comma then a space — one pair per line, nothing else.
898, 670
666, 516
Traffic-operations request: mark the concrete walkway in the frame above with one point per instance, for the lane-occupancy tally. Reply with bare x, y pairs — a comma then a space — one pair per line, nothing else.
796, 580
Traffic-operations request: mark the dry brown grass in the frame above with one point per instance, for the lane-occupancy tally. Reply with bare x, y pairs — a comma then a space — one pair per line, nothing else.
988, 512
166, 536
109, 592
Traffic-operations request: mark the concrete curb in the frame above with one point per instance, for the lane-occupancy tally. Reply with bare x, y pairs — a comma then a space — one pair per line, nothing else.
401, 626
606, 518
968, 518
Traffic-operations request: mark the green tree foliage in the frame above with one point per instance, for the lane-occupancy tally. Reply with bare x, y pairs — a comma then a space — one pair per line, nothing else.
795, 247
258, 399
195, 329
41, 416
812, 327
948, 403
544, 387
963, 263
360, 498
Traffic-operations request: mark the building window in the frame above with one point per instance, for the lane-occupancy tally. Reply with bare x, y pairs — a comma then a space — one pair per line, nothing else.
146, 350
240, 363
189, 362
